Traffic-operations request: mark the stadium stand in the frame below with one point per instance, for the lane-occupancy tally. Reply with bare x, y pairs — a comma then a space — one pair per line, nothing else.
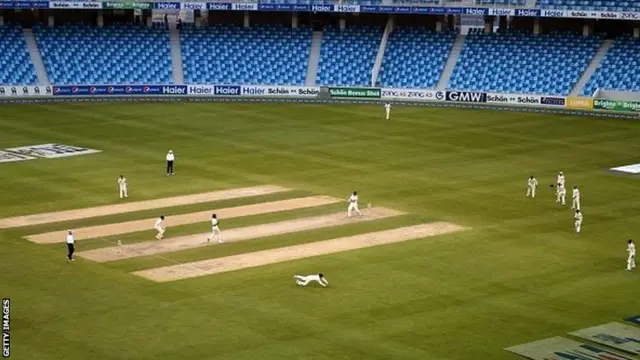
505, 3
415, 57
520, 62
599, 5
347, 56
619, 68
118, 54
16, 67
268, 55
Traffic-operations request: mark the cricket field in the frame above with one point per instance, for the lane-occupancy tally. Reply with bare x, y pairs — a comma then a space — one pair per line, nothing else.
450, 262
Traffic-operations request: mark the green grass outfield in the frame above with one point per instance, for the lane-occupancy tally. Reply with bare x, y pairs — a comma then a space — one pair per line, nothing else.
519, 275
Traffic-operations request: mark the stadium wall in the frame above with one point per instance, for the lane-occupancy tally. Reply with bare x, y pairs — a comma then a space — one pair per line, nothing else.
309, 94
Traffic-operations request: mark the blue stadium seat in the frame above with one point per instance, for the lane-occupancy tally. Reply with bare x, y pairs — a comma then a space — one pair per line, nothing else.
415, 58
597, 5
268, 54
347, 56
520, 62
119, 54
16, 67
618, 69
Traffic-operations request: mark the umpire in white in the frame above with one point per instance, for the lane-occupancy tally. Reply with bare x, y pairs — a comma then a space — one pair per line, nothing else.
70, 245
170, 159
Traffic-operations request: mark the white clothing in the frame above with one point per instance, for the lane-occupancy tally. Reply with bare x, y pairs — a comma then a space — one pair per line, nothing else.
631, 260
576, 199
578, 224
70, 239
353, 205
533, 184
303, 280
560, 180
561, 195
159, 226
387, 109
215, 230
170, 156
122, 186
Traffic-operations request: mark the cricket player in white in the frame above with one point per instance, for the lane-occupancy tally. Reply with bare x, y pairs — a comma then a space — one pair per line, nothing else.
533, 184
122, 186
578, 218
303, 280
215, 230
576, 198
560, 181
70, 245
159, 226
353, 204
387, 109
561, 195
631, 260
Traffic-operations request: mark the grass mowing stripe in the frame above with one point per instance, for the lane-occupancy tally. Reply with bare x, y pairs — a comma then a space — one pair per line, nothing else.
183, 219
167, 211
35, 219
295, 252
240, 234
140, 236
264, 243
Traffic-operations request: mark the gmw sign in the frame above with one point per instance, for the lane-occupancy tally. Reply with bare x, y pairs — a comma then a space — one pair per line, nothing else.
466, 96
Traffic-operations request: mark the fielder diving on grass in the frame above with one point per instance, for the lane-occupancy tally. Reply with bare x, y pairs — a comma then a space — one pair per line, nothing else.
303, 280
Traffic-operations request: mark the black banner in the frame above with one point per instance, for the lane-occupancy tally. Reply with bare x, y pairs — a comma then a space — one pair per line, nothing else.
466, 96
552, 101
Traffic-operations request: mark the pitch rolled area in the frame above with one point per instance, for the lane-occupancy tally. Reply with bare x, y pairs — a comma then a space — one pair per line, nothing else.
273, 256
239, 234
92, 232
53, 217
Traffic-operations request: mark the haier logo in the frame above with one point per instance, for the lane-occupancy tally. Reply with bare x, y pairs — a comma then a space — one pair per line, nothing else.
346, 8
527, 12
464, 96
321, 8
501, 12
201, 90
227, 90
475, 11
553, 13
214, 6
194, 6
253, 91
174, 90
168, 6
